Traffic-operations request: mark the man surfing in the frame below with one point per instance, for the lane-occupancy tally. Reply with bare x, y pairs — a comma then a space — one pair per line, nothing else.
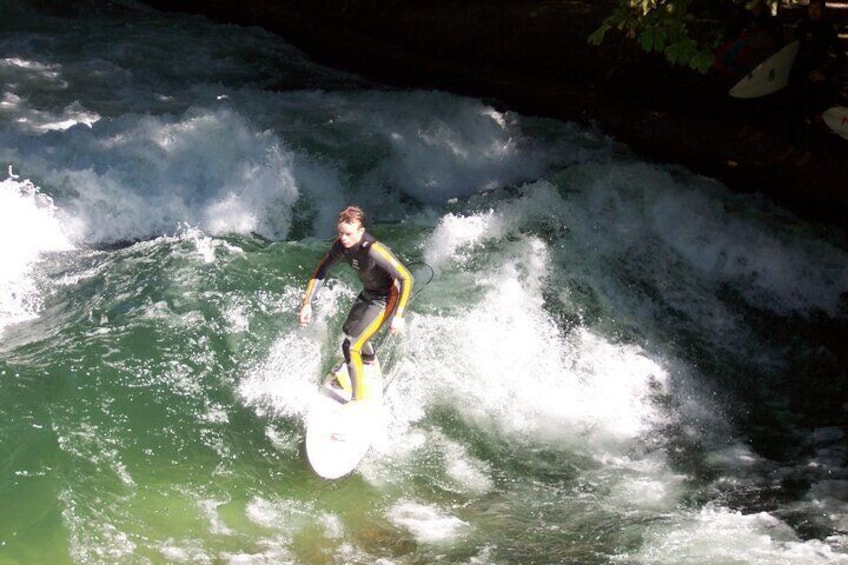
387, 286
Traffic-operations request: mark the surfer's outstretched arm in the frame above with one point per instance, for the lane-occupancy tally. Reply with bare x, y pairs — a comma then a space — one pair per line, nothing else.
316, 281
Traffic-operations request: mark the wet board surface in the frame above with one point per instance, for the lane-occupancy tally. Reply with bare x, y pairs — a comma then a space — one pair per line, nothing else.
339, 433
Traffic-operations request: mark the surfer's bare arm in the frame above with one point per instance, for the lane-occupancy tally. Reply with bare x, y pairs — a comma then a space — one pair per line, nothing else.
304, 317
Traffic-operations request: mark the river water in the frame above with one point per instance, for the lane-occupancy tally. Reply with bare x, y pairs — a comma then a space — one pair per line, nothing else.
608, 361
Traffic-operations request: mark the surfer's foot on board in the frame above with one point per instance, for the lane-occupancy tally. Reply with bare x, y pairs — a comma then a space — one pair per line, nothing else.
336, 384
339, 382
336, 392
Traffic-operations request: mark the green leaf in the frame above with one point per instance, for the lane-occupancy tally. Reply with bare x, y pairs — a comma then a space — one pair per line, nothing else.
663, 26
703, 60
681, 52
659, 40
597, 36
646, 39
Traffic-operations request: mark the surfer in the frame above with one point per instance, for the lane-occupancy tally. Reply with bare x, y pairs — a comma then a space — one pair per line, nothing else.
387, 286
814, 80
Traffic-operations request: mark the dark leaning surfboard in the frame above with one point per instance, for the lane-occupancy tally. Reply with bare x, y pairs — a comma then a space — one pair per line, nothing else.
769, 76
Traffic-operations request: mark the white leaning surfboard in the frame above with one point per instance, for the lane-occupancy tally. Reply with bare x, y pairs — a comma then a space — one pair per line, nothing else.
339, 433
836, 119
769, 76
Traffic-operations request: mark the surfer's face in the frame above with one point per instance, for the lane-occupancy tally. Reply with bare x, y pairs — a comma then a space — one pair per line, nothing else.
350, 233
815, 11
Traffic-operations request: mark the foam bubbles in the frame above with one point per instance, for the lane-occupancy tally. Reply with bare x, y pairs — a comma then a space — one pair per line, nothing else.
655, 224
546, 380
716, 535
429, 524
137, 178
30, 226
284, 383
457, 237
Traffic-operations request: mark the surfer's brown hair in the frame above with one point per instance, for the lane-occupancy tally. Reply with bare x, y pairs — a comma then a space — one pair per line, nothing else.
352, 215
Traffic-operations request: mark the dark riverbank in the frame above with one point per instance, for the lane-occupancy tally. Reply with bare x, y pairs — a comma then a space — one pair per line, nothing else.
533, 57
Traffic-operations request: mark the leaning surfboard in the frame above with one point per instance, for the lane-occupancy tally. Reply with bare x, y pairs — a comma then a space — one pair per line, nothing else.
769, 76
740, 55
340, 432
836, 119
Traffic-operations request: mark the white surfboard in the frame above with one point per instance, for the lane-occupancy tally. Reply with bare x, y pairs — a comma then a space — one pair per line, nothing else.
769, 76
836, 119
338, 432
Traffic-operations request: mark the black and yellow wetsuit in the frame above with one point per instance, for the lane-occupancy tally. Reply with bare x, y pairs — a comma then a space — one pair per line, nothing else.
387, 285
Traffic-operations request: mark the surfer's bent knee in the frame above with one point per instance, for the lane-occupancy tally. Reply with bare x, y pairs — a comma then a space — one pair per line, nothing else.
346, 348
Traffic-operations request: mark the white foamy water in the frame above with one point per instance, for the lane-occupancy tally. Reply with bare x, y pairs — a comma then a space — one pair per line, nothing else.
574, 384
427, 524
30, 226
720, 536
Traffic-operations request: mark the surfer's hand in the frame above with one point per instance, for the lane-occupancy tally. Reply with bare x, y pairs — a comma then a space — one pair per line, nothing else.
305, 315
397, 325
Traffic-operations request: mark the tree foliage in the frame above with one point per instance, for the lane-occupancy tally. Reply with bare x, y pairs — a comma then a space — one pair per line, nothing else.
662, 26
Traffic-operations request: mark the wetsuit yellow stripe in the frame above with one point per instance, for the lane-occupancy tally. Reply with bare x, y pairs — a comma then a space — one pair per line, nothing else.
403, 275
310, 289
358, 373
